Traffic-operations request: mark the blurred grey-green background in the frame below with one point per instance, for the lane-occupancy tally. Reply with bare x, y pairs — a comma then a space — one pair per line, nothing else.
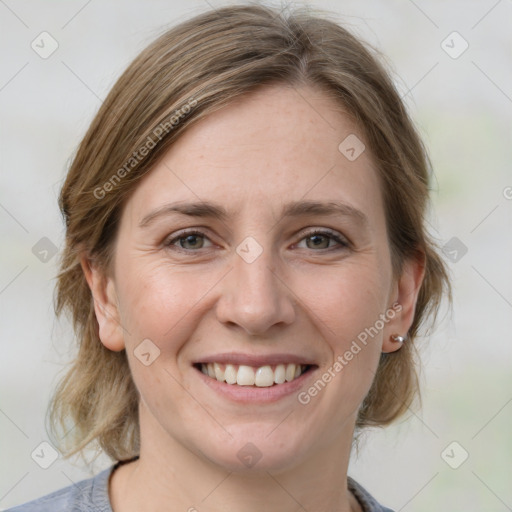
453, 64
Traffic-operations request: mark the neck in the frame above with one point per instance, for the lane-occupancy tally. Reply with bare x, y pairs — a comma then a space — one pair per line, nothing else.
169, 476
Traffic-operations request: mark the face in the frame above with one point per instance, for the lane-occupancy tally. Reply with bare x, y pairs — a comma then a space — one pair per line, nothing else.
257, 252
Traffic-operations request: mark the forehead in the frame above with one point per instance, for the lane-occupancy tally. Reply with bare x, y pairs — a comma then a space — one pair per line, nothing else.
273, 146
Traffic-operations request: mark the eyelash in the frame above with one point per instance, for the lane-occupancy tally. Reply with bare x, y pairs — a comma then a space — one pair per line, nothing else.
342, 241
181, 236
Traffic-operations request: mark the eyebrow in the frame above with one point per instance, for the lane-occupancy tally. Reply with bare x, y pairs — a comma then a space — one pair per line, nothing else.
200, 209
292, 209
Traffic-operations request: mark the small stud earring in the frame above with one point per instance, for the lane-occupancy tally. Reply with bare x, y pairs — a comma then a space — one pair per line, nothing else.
397, 338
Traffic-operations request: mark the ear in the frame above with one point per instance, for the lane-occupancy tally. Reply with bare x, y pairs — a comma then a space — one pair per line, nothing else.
105, 305
403, 301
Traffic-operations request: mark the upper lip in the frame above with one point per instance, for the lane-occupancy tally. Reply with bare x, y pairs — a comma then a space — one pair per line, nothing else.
255, 360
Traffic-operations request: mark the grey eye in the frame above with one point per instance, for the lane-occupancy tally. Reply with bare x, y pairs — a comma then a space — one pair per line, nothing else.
318, 241
192, 242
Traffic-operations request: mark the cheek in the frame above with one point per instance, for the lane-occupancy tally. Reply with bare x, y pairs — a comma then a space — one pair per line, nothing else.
158, 309
346, 300
160, 302
346, 303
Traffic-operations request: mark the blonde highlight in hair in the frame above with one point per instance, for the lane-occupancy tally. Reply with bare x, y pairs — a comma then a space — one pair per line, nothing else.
209, 61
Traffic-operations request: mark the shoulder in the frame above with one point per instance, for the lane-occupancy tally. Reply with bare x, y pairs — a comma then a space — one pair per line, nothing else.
84, 496
366, 500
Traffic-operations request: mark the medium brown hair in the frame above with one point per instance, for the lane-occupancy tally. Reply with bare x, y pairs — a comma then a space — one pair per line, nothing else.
189, 72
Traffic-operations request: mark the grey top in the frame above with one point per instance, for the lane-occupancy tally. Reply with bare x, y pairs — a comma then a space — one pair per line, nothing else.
91, 495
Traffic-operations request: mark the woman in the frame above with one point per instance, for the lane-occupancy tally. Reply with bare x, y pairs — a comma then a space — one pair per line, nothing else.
247, 269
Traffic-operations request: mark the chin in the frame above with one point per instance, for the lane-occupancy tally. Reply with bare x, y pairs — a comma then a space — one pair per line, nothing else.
255, 451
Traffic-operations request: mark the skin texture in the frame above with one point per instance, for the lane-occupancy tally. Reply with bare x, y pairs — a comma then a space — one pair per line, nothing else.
197, 297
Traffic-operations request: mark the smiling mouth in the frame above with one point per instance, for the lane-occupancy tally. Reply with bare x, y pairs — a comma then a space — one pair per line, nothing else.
261, 376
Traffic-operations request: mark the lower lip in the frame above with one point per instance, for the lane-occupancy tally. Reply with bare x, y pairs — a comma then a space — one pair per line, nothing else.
254, 394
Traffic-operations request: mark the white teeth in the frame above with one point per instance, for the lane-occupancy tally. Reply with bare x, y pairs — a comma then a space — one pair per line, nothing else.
280, 374
219, 374
245, 376
263, 376
230, 374
290, 372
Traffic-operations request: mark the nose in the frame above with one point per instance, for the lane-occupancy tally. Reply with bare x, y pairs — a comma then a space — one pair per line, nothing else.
254, 297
